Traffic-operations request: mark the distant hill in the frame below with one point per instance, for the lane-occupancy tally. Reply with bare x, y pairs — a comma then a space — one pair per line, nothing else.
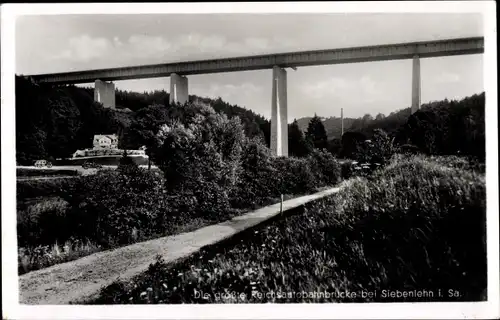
333, 125
445, 127
389, 124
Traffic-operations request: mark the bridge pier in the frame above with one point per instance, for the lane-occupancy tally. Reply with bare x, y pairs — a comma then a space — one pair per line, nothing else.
415, 87
178, 89
104, 92
279, 116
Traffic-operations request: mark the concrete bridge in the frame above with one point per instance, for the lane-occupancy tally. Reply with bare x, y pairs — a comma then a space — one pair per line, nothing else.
105, 90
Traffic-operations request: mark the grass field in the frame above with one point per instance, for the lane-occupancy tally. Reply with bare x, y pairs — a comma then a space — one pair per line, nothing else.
417, 225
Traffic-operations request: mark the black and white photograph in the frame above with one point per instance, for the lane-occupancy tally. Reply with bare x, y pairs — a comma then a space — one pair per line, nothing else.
249, 160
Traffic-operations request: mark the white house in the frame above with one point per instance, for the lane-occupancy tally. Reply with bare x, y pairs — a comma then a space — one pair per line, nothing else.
105, 141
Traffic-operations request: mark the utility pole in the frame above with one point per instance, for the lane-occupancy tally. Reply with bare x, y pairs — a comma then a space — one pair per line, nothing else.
342, 122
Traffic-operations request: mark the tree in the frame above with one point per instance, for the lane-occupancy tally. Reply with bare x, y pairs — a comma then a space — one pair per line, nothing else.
316, 133
59, 120
335, 146
377, 150
201, 157
350, 142
30, 146
298, 146
143, 129
367, 119
126, 160
448, 127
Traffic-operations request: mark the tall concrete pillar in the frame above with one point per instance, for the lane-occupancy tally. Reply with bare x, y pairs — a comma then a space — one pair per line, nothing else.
279, 116
104, 92
415, 86
178, 89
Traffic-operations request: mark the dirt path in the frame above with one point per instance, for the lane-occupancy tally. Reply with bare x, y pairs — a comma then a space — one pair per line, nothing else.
79, 280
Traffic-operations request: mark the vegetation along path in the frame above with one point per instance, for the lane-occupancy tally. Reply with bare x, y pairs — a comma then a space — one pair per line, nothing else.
80, 280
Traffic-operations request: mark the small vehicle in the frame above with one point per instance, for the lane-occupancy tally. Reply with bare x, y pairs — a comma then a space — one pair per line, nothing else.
91, 165
43, 163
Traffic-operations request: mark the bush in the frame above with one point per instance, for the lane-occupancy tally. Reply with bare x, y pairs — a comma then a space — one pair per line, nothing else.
127, 164
305, 175
449, 127
294, 176
377, 150
110, 205
202, 158
42, 223
258, 176
325, 167
105, 208
347, 170
43, 188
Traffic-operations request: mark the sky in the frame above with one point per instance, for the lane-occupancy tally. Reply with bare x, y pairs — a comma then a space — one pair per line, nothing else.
60, 43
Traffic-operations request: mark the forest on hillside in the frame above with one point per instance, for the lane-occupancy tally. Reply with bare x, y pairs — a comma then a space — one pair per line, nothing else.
54, 121
446, 127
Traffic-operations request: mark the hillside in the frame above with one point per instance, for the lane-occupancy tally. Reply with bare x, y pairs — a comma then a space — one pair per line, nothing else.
365, 124
54, 121
332, 125
446, 127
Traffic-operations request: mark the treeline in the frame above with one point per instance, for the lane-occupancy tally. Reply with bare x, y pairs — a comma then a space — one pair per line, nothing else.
333, 125
254, 124
54, 121
447, 127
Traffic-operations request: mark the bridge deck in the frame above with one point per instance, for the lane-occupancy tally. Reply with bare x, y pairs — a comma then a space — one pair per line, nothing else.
399, 51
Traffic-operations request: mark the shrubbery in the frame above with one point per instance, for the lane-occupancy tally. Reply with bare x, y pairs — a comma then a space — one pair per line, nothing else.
258, 179
210, 170
209, 157
325, 167
201, 158
42, 188
379, 149
104, 208
369, 155
110, 205
37, 224
293, 176
448, 128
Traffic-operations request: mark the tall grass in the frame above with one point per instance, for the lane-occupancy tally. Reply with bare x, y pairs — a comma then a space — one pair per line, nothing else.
39, 257
417, 225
